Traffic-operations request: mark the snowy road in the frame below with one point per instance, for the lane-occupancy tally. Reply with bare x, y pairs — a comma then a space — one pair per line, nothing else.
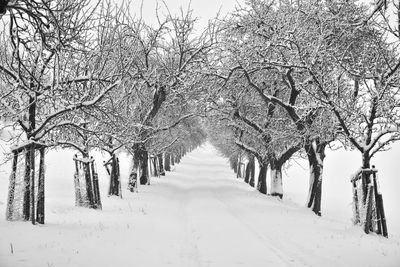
198, 215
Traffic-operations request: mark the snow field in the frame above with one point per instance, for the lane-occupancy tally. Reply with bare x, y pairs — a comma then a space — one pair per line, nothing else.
197, 215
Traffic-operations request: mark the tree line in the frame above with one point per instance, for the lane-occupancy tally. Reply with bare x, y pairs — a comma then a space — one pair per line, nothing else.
87, 76
273, 80
291, 78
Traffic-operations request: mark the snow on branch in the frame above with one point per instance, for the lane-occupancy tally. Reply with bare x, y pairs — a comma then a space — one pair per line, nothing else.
80, 79
272, 99
253, 125
247, 148
392, 130
66, 143
164, 148
166, 128
75, 107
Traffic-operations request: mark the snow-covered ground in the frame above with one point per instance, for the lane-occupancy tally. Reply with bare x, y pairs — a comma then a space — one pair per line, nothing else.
198, 215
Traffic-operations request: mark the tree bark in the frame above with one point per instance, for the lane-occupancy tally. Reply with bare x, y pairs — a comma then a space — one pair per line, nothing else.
234, 164
11, 189
365, 176
316, 155
144, 167
161, 164
253, 171
114, 177
180, 155
249, 169
27, 187
155, 167
173, 156
252, 174
262, 178
32, 180
247, 173
167, 161
366, 159
119, 178
41, 195
133, 176
28, 206
276, 178
31, 115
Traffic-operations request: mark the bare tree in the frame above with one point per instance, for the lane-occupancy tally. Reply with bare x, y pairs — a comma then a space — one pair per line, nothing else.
54, 64
164, 58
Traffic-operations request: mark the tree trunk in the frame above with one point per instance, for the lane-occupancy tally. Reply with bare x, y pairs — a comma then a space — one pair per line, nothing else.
119, 178
89, 188
252, 171
27, 187
252, 174
239, 170
366, 160
133, 176
11, 189
234, 164
179, 156
144, 167
316, 155
276, 178
155, 167
249, 169
365, 175
262, 179
41, 196
167, 161
173, 159
239, 167
114, 177
28, 207
32, 180
161, 164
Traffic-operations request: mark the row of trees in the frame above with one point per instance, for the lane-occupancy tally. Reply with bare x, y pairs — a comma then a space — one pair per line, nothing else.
281, 78
289, 78
83, 75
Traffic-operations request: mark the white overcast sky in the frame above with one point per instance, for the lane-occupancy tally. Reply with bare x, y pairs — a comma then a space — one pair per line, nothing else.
204, 10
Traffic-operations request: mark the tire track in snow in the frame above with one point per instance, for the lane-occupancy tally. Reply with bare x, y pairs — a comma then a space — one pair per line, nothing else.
196, 191
190, 247
204, 225
288, 259
291, 253
202, 229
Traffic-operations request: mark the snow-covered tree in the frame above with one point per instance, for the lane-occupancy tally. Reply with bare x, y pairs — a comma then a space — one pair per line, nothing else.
53, 63
156, 97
